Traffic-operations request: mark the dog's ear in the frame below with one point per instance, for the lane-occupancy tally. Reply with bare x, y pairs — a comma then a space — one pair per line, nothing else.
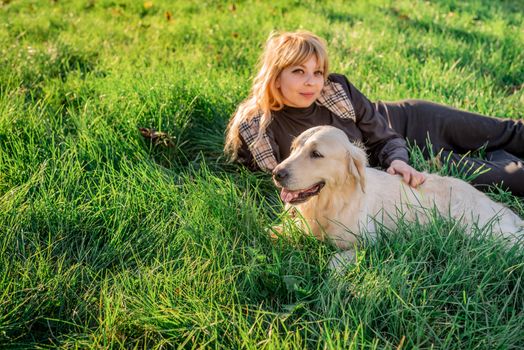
357, 162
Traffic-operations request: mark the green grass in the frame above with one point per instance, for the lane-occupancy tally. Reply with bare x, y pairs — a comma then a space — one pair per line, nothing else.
108, 241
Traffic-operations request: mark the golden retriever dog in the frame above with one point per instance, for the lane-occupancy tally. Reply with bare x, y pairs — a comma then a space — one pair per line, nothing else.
327, 180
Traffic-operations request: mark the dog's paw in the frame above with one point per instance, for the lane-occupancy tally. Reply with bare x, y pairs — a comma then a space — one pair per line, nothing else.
341, 260
275, 231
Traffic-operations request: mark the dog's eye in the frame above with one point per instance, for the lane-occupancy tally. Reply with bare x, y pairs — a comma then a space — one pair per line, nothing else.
316, 154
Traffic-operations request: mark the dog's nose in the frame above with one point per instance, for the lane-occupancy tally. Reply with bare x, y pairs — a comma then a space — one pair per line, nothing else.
280, 175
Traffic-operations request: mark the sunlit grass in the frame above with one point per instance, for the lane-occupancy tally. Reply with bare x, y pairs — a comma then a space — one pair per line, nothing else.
108, 240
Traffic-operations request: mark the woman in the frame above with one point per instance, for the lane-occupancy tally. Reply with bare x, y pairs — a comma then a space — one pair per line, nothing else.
293, 91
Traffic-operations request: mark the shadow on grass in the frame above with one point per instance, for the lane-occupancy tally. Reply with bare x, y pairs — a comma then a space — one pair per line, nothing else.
508, 7
506, 77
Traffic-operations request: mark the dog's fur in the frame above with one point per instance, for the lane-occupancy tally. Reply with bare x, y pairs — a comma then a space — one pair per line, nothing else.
352, 196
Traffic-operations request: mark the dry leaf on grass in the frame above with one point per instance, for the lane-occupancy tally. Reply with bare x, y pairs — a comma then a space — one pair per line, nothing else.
157, 137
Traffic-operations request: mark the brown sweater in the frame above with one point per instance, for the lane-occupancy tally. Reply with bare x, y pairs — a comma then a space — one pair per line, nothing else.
382, 143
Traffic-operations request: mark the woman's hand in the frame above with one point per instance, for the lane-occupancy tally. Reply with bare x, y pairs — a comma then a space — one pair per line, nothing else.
410, 175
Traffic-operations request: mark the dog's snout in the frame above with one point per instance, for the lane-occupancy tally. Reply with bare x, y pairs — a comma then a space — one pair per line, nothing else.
280, 174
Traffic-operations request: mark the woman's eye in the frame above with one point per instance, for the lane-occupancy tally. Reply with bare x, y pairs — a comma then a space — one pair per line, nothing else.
316, 154
319, 72
298, 71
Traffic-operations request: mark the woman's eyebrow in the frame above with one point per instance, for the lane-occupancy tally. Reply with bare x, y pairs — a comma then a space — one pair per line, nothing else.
302, 66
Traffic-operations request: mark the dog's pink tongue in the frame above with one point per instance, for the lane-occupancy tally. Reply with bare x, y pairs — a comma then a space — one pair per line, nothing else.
288, 196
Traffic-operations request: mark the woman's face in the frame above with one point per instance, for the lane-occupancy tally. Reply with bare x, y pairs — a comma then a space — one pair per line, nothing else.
300, 85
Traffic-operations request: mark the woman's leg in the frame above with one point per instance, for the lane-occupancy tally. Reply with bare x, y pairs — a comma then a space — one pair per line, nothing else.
457, 132
499, 168
454, 129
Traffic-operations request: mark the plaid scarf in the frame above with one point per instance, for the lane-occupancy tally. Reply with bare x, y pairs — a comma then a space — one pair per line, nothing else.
333, 97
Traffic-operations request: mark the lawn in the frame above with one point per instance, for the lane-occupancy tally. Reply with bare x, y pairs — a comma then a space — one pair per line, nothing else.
111, 240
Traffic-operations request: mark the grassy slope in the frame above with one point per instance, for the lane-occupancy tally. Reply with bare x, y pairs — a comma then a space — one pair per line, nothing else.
109, 241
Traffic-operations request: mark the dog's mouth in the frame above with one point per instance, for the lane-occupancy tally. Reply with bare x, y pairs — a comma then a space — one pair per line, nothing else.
300, 196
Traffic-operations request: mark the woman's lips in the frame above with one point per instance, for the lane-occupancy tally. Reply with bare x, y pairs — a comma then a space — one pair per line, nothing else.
308, 94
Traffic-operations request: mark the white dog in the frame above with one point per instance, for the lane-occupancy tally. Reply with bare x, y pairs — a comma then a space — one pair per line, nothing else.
326, 179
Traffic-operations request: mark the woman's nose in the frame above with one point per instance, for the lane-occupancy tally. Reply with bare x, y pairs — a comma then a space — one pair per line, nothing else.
309, 80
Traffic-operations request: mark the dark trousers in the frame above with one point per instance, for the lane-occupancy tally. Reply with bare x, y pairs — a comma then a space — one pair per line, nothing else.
456, 132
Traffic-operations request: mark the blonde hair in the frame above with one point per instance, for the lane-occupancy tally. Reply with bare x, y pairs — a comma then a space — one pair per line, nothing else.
281, 51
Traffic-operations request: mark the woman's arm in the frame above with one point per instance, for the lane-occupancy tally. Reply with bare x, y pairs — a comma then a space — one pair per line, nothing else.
379, 138
389, 147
